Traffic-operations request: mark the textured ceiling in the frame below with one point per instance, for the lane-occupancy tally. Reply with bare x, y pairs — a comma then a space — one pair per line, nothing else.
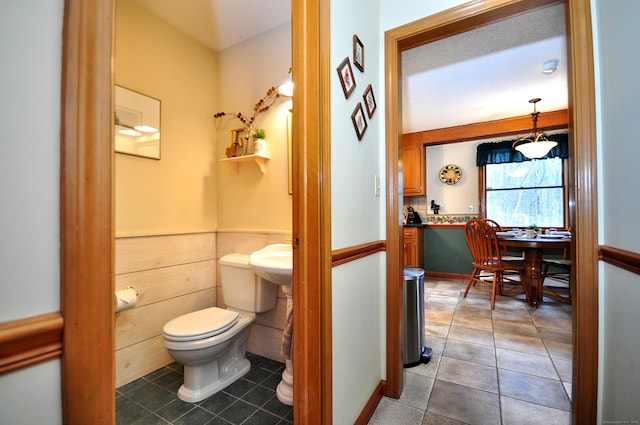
486, 74
480, 75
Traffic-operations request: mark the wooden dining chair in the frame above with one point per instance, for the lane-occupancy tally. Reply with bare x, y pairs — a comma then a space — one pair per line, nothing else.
561, 273
496, 226
488, 265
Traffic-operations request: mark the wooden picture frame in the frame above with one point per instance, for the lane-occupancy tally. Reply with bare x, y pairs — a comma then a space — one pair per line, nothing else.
369, 100
347, 79
359, 121
237, 147
358, 53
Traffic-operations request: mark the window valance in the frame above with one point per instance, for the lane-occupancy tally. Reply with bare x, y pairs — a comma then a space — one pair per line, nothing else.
501, 152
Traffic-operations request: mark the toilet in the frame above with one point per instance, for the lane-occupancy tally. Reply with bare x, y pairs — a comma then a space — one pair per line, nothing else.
211, 343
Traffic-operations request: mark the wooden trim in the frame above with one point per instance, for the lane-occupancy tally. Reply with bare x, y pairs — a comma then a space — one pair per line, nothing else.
583, 198
370, 408
346, 255
86, 213
394, 208
311, 214
582, 184
489, 129
30, 341
627, 260
467, 16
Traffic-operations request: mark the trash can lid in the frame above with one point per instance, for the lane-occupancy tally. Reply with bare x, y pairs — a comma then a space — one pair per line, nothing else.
412, 273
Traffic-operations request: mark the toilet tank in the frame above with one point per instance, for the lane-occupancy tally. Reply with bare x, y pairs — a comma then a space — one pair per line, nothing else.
242, 289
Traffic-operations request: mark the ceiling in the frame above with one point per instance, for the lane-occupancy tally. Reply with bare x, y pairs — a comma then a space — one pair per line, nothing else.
219, 24
485, 74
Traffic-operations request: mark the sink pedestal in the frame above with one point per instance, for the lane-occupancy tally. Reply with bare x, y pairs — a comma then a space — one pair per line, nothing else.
284, 391
275, 264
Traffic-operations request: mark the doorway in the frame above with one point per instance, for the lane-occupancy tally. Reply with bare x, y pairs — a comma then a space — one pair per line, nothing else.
582, 179
87, 211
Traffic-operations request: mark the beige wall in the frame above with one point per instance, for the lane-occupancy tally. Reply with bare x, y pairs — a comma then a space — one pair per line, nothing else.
178, 192
250, 199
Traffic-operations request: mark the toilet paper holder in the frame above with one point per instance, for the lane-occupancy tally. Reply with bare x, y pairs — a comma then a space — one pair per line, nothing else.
125, 299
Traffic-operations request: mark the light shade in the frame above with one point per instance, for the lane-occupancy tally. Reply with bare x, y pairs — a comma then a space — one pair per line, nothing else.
534, 149
537, 145
286, 87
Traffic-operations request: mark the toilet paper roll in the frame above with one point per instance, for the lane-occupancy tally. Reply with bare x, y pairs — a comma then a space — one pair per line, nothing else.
125, 299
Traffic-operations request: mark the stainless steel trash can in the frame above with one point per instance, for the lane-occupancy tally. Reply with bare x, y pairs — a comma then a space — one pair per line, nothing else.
414, 349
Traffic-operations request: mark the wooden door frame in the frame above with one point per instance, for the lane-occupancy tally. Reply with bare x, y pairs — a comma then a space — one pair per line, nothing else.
582, 185
86, 210
312, 357
87, 231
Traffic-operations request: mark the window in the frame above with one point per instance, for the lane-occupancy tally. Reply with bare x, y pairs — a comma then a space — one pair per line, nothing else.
520, 194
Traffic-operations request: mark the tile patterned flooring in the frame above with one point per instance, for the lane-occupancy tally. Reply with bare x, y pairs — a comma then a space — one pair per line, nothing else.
511, 365
151, 400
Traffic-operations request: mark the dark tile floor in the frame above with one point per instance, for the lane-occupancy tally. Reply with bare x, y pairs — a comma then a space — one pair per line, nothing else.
251, 400
511, 365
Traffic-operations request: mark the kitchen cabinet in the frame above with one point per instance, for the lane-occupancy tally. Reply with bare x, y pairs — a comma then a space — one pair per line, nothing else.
414, 175
414, 247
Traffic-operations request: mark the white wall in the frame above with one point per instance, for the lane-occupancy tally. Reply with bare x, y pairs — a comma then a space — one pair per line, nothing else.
618, 25
395, 13
357, 214
453, 199
31, 53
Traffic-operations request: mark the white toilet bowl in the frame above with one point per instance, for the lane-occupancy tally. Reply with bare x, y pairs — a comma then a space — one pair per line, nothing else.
212, 360
211, 343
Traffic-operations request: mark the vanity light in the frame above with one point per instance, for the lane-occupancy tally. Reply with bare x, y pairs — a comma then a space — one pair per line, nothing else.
535, 145
286, 87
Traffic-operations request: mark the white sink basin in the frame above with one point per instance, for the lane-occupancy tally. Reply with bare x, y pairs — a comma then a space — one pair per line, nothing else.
274, 263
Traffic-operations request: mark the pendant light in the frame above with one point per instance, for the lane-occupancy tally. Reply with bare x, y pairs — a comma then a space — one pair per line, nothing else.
535, 145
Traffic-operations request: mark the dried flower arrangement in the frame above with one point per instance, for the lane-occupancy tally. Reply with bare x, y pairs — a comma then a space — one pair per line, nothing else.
261, 106
249, 132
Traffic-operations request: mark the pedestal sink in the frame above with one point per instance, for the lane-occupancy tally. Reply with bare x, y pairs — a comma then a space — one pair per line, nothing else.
275, 264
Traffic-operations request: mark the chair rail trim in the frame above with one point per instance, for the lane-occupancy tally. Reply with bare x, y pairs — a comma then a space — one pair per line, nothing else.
624, 259
29, 341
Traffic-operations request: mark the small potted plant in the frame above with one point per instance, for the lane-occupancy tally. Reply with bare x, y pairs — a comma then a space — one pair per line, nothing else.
260, 134
259, 144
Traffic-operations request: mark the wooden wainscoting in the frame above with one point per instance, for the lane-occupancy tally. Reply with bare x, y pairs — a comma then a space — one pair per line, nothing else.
173, 275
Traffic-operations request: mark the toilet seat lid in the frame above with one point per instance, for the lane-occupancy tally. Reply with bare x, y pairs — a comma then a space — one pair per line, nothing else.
200, 324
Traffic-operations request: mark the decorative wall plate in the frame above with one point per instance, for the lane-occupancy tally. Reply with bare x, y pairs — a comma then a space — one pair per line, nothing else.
450, 174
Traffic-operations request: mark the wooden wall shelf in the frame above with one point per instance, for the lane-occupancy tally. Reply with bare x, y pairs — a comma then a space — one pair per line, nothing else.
260, 160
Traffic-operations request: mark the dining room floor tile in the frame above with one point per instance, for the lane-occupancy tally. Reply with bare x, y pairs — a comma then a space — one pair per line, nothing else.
516, 371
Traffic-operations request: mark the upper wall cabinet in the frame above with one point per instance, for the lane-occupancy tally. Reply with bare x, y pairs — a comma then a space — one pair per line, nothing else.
414, 170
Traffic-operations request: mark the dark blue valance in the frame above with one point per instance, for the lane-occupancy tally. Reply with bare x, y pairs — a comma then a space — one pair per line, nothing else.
501, 152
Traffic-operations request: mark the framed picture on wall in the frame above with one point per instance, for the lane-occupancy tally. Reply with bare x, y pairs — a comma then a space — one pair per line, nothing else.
346, 77
359, 121
369, 100
358, 53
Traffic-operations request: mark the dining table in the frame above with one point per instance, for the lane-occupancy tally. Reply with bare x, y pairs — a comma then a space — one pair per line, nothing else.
532, 249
